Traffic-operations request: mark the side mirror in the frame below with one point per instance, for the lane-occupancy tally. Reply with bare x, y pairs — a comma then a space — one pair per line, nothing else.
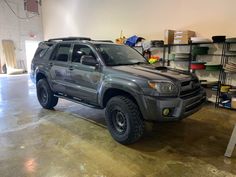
89, 60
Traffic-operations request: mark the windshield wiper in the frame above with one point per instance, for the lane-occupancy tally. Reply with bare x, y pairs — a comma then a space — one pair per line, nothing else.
120, 64
137, 63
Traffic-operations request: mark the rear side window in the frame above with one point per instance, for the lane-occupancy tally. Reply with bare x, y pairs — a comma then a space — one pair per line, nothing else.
62, 53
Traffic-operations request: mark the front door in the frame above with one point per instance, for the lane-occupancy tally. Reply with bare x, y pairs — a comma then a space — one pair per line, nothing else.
84, 79
59, 68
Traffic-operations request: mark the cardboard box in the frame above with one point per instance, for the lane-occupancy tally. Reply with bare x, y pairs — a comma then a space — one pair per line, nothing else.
183, 37
185, 32
181, 41
169, 36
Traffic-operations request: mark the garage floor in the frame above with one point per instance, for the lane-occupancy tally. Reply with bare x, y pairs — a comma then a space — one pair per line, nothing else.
63, 143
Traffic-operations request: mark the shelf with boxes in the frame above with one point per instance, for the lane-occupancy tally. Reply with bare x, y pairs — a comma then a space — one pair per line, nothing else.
226, 95
206, 64
178, 49
191, 54
195, 59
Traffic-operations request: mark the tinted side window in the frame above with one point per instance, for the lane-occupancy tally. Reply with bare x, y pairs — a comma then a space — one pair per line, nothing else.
62, 53
40, 52
79, 51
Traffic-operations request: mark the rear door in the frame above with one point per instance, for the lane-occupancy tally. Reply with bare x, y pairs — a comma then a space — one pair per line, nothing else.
84, 79
59, 67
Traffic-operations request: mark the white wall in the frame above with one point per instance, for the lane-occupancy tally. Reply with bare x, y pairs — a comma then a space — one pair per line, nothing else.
104, 19
18, 30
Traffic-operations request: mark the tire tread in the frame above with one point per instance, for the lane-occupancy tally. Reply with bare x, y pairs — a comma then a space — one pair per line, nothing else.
136, 121
52, 100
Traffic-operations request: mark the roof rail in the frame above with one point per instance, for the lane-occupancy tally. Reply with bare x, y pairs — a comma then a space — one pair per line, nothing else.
104, 41
70, 39
46, 44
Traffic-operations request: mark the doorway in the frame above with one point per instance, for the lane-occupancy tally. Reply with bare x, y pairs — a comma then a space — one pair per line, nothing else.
30, 48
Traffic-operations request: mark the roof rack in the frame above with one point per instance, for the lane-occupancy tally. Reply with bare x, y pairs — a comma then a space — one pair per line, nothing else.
104, 41
70, 39
76, 39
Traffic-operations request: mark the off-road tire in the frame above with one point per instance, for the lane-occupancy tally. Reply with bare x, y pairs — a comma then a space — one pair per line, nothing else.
45, 95
122, 106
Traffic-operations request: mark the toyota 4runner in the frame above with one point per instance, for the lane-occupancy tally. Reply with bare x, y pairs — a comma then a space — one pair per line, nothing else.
102, 74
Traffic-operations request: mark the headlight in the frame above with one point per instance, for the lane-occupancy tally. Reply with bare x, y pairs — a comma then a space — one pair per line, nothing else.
163, 86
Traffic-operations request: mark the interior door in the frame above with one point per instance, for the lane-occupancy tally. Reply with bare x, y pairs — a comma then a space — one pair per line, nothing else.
84, 79
59, 68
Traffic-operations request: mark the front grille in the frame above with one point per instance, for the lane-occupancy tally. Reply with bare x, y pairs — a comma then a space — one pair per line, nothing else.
186, 83
189, 89
190, 93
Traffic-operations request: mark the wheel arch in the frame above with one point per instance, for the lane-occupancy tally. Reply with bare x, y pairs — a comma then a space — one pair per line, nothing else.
112, 92
39, 76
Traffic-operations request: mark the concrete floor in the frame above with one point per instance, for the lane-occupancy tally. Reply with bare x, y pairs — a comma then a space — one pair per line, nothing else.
63, 143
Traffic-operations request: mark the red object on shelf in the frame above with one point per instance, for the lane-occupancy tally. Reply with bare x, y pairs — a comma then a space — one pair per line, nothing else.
198, 66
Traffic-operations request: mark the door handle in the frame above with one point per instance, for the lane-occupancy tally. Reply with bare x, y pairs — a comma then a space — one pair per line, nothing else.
71, 68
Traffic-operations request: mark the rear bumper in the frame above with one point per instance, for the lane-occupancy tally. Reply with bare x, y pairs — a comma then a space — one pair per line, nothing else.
180, 108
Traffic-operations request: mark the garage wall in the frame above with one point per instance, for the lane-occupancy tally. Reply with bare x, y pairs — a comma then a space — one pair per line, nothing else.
18, 30
104, 19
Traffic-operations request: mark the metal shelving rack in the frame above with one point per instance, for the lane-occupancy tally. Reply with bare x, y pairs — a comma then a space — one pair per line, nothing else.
191, 45
224, 60
142, 51
167, 48
170, 46
223, 75
191, 58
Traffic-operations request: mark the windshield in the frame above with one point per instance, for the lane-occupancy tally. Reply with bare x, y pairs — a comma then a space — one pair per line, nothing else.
114, 55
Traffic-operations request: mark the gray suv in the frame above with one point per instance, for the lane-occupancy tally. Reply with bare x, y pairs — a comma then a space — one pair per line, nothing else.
102, 74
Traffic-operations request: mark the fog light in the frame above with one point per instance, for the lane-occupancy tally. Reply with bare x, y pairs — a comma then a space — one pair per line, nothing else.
166, 112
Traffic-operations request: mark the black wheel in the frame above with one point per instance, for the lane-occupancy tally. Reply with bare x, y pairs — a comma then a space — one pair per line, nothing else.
45, 95
124, 120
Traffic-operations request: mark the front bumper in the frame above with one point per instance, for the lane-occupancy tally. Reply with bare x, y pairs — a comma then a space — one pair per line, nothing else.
180, 107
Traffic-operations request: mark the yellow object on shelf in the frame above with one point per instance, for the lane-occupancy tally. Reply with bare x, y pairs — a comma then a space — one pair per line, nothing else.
225, 88
122, 38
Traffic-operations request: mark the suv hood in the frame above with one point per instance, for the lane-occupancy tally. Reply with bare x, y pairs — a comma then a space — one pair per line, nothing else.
154, 73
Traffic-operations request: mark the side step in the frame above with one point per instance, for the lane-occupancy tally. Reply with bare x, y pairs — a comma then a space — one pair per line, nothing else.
76, 100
